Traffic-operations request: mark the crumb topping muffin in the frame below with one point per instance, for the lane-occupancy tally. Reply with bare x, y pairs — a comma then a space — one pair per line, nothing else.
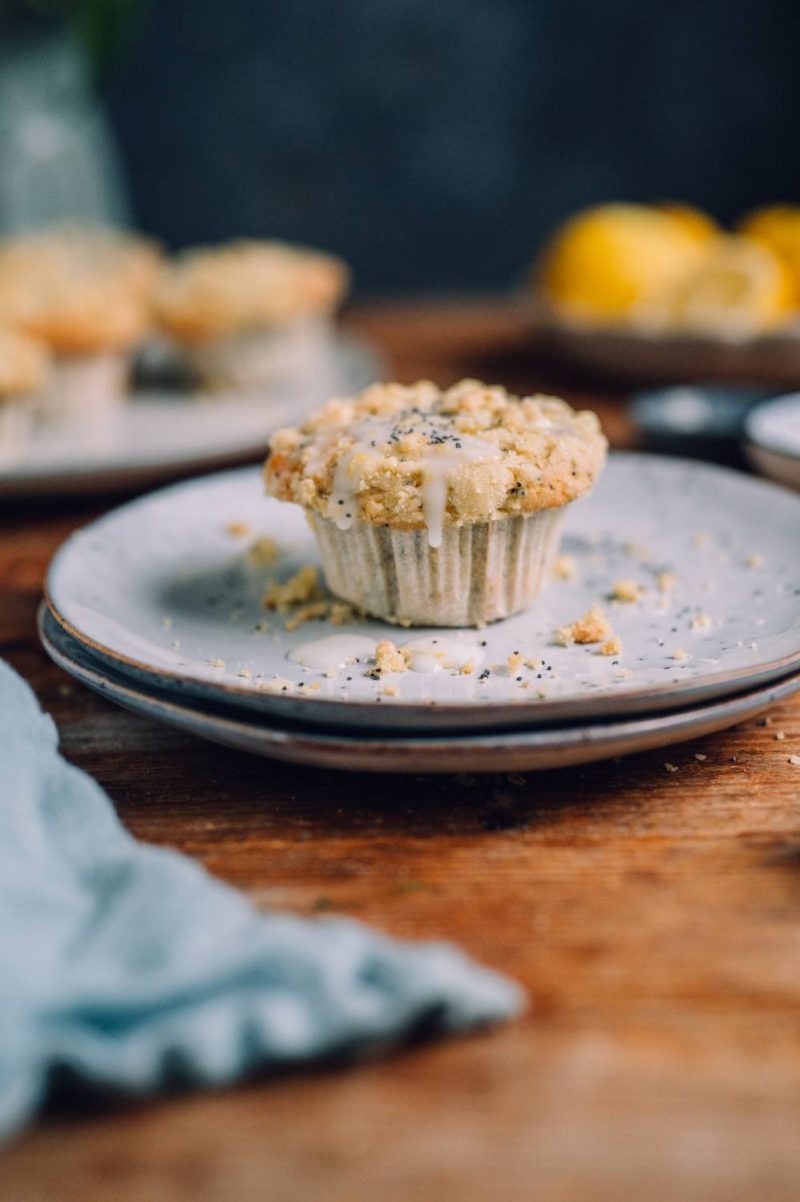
211, 292
86, 250
80, 291
23, 365
416, 457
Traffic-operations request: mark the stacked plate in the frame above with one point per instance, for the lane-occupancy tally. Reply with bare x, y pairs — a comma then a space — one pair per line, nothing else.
158, 606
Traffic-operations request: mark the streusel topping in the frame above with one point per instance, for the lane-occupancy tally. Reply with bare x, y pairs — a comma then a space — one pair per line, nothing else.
80, 291
210, 292
416, 456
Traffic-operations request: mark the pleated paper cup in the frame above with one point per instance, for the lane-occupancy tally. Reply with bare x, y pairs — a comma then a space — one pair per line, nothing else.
481, 572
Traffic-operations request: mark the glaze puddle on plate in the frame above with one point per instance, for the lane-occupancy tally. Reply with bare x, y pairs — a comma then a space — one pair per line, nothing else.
160, 590
371, 751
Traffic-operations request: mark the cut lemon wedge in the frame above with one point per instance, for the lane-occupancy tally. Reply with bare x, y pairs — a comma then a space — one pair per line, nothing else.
737, 289
602, 264
778, 227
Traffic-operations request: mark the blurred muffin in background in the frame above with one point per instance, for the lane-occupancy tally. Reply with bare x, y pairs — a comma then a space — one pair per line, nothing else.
24, 370
85, 293
605, 264
250, 314
664, 269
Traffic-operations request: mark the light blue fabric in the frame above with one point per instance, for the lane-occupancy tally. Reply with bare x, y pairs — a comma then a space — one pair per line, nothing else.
130, 967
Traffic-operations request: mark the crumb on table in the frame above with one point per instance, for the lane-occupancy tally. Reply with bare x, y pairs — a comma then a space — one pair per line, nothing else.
680, 654
666, 581
612, 646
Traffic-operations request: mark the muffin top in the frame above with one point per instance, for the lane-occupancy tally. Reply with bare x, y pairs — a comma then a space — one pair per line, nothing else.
415, 456
23, 364
80, 290
246, 285
85, 250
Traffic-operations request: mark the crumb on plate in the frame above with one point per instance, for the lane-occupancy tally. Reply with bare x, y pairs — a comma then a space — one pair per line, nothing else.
237, 529
388, 658
593, 627
277, 684
626, 590
565, 567
302, 586
262, 551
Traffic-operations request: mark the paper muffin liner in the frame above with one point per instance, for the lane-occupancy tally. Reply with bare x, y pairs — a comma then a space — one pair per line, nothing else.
481, 572
15, 427
297, 354
83, 386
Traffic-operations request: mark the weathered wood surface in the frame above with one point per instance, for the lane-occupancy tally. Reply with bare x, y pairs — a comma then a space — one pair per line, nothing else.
654, 916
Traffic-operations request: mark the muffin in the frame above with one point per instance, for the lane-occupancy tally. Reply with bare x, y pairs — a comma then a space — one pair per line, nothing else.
84, 294
437, 508
23, 375
251, 314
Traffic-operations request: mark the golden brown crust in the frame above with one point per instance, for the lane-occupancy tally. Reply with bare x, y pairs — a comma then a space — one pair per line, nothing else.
80, 290
23, 364
246, 285
504, 455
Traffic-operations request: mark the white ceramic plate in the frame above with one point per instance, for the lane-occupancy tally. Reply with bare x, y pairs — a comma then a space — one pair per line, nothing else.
158, 435
518, 751
161, 591
772, 439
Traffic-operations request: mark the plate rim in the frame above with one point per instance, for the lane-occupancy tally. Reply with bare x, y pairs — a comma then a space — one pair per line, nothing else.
595, 735
343, 712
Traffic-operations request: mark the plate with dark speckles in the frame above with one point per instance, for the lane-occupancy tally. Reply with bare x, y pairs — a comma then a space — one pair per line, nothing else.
166, 591
403, 751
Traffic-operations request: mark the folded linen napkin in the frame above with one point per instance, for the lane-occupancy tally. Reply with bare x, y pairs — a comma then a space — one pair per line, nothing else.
127, 967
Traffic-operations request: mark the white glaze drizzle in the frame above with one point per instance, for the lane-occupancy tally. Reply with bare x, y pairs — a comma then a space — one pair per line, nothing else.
443, 453
439, 651
334, 652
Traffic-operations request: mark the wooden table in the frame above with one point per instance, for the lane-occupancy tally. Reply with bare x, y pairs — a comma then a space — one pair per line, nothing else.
654, 917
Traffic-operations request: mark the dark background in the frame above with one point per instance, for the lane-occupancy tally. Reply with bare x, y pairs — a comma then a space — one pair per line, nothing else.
433, 144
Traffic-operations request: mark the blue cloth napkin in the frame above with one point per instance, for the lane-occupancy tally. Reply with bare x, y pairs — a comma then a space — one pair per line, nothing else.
127, 967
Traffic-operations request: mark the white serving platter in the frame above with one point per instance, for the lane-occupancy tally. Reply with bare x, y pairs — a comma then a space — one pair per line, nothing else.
361, 751
161, 591
156, 436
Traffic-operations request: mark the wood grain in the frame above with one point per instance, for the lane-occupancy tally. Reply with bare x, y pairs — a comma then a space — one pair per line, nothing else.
654, 917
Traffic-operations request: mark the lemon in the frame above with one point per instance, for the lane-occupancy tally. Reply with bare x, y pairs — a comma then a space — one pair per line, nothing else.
693, 220
736, 289
606, 262
778, 227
